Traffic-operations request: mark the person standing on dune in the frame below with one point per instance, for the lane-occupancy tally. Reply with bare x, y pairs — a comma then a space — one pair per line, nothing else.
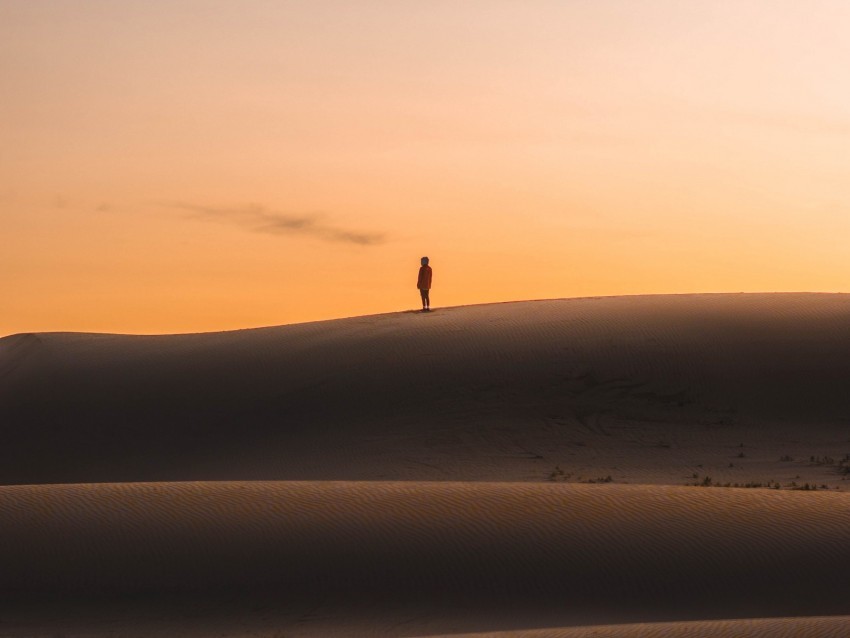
424, 284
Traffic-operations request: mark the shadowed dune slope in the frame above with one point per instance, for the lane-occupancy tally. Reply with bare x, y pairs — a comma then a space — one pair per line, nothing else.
835, 627
408, 558
461, 393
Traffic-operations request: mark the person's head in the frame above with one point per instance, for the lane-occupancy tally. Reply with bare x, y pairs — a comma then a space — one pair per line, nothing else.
424, 261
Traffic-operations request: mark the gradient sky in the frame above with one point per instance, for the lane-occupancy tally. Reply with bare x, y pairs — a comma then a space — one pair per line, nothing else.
194, 165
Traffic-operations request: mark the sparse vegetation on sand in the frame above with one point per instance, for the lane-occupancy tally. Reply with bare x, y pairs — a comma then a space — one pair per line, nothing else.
604, 479
708, 481
559, 476
842, 465
821, 460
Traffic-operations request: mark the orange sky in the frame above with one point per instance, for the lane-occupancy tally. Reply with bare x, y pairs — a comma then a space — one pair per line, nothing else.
201, 165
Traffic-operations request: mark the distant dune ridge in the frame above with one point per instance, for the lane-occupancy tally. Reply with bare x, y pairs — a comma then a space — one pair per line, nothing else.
538, 468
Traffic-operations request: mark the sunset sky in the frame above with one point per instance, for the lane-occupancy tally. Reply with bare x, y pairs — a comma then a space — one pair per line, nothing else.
193, 165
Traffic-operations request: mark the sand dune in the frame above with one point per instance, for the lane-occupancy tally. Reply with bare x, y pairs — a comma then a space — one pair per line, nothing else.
835, 627
407, 558
430, 474
646, 389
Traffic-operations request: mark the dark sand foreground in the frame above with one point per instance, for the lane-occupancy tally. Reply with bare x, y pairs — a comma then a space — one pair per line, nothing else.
523, 468
406, 558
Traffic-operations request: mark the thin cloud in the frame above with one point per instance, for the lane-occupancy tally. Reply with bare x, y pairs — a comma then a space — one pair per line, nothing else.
262, 220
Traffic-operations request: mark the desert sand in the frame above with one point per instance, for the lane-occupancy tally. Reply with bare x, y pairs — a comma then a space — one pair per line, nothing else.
671, 465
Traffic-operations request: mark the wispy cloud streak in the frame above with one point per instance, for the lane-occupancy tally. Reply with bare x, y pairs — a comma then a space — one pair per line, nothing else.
263, 220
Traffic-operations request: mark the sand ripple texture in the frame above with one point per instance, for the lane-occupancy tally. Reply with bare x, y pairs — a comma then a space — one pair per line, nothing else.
468, 393
435, 557
835, 627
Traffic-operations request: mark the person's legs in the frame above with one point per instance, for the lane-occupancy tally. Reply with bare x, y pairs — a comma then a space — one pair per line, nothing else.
427, 299
424, 295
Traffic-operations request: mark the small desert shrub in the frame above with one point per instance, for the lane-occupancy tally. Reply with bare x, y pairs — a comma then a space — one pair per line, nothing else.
709, 482
806, 487
822, 460
558, 475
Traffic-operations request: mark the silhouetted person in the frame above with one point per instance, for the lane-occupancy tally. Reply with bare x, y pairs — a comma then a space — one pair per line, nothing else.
424, 284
